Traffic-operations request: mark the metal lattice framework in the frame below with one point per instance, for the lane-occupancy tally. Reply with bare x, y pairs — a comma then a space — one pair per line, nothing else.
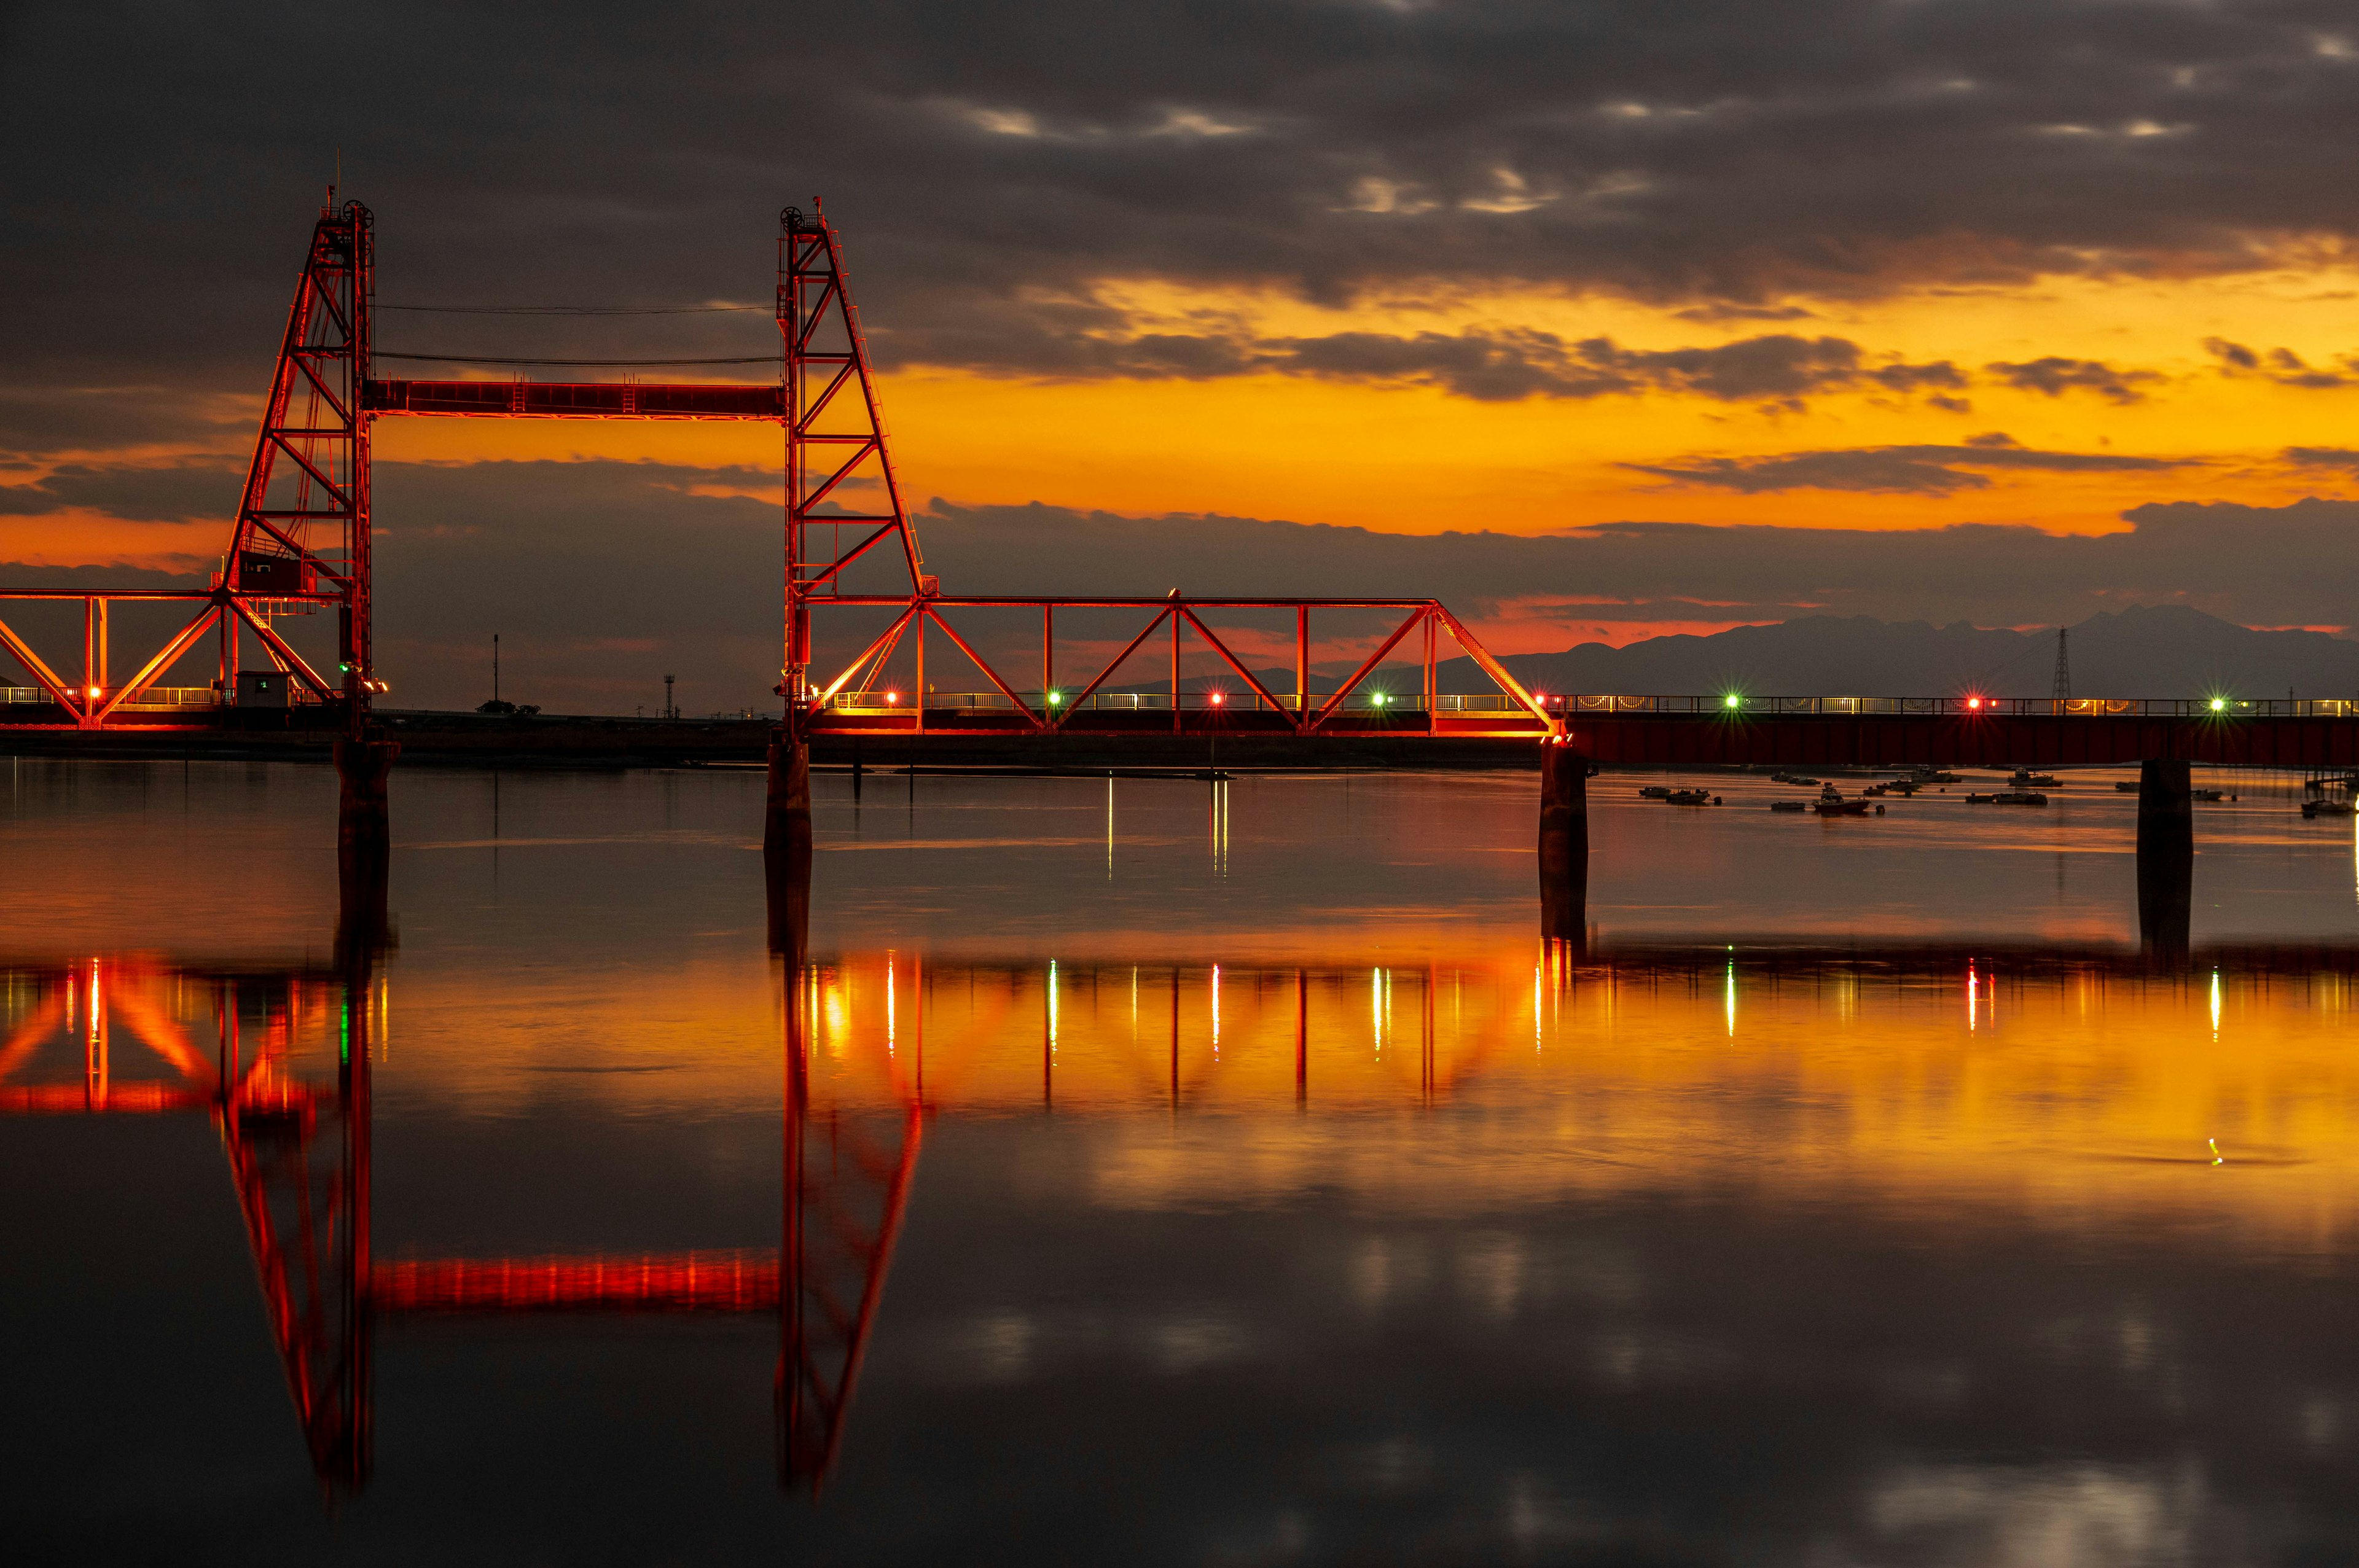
300, 540
300, 543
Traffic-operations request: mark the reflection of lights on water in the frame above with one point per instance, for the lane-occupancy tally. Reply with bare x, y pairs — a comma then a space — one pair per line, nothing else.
888, 1004
2216, 1006
1052, 1008
1110, 828
1376, 1008
2217, 1158
1973, 997
1216, 1009
1732, 999
1134, 994
836, 1013
1536, 1007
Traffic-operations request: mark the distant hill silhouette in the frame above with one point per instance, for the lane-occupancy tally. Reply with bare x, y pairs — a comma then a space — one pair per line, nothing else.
2159, 651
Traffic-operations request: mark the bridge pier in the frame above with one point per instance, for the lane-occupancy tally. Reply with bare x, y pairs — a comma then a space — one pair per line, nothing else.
786, 841
2165, 855
1564, 843
363, 841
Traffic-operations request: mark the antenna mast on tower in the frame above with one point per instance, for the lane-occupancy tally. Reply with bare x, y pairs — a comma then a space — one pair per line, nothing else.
2062, 690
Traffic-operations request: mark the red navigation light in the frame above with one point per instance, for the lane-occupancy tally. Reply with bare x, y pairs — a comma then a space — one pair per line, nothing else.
891, 697
1974, 702
1219, 698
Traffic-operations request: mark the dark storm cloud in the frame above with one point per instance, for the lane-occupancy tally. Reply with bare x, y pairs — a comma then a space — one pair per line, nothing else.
45, 420
991, 163
1496, 364
2280, 365
178, 493
1909, 471
1511, 363
2342, 458
2055, 376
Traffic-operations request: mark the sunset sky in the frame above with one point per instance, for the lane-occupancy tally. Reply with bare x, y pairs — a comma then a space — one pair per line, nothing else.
1585, 279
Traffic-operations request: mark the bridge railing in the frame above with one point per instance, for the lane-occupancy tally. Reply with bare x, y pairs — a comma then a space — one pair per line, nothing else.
884, 701
156, 698
895, 701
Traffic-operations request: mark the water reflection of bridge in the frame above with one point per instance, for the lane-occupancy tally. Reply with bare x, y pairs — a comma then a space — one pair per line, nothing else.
282, 1061
873, 1045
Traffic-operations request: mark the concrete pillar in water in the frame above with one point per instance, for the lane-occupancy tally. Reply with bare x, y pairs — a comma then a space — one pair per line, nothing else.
364, 841
2165, 855
1564, 843
786, 841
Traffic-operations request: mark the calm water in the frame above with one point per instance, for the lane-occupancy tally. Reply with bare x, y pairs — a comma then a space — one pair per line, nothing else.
1175, 1175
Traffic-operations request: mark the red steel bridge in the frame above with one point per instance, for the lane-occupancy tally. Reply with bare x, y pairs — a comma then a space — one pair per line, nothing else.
910, 661
299, 546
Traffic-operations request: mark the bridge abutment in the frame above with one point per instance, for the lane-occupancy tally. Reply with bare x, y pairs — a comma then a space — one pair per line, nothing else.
2165, 855
1564, 842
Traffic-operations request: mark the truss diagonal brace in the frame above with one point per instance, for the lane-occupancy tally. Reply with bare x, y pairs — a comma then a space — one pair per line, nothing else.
883, 645
155, 667
1238, 665
1375, 659
984, 665
1099, 678
41, 672
279, 648
1491, 666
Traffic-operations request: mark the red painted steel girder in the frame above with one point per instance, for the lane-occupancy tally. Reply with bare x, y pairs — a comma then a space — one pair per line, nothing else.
573, 400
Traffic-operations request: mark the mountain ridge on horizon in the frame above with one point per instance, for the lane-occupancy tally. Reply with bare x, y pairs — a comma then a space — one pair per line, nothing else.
2143, 651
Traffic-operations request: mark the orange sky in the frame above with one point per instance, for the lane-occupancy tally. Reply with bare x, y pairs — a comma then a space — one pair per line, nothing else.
1415, 459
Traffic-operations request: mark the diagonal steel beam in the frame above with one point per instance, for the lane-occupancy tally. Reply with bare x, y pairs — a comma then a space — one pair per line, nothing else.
1100, 679
880, 649
154, 668
840, 562
984, 665
1237, 664
39, 671
1375, 659
1491, 666
293, 660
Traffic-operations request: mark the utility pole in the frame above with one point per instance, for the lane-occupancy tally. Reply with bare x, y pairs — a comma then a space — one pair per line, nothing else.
2063, 691
672, 710
496, 666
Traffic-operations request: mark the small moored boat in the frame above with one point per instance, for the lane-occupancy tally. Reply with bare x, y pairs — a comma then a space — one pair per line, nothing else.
2009, 798
2327, 808
1788, 806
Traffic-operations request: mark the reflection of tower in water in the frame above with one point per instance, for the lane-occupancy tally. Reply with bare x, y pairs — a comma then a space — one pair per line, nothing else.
282, 1061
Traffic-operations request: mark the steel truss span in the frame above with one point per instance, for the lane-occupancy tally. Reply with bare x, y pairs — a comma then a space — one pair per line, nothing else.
299, 544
